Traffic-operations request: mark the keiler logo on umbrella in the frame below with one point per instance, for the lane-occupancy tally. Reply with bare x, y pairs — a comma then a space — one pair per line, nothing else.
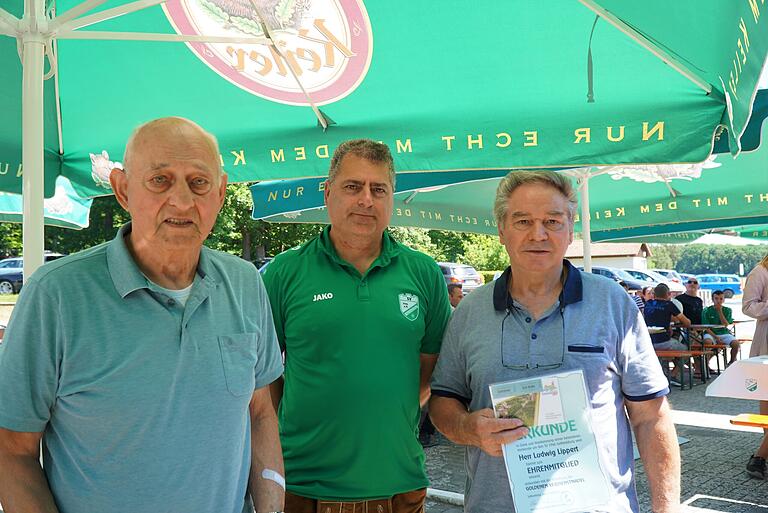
327, 44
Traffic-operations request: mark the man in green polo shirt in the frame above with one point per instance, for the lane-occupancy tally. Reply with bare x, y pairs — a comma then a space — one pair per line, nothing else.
360, 318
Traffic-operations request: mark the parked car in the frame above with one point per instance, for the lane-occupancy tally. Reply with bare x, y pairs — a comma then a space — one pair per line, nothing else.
669, 274
464, 274
11, 272
11, 280
11, 263
730, 284
18, 262
648, 275
617, 274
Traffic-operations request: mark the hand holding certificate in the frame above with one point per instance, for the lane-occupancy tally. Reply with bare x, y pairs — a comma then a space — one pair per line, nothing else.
555, 468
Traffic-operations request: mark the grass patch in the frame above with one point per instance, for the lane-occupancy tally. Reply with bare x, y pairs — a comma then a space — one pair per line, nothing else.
8, 298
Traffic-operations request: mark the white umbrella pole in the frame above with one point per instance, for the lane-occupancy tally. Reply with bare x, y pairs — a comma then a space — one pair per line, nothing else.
586, 238
33, 55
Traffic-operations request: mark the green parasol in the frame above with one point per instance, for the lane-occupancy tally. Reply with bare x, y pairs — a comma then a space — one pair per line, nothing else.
449, 85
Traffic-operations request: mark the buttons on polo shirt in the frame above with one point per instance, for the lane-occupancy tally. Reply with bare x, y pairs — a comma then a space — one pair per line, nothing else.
527, 319
534, 336
170, 302
363, 292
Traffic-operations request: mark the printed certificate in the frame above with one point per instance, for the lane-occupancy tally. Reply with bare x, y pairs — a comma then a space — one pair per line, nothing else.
556, 467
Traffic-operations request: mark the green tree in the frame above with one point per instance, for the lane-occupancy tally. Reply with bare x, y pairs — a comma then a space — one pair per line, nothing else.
701, 259
106, 217
485, 252
418, 239
664, 256
234, 226
10, 239
450, 245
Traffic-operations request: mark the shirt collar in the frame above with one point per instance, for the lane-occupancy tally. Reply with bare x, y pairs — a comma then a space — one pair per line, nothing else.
571, 293
390, 248
126, 275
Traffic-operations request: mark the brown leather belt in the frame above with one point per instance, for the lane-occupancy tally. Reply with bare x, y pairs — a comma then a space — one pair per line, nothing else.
371, 506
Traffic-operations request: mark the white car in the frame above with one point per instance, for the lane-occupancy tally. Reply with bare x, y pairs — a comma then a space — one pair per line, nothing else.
648, 275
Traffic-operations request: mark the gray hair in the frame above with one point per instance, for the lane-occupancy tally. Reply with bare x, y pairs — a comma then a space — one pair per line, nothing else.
515, 179
367, 149
179, 127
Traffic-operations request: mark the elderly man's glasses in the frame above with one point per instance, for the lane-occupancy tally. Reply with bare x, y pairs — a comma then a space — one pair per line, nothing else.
551, 224
693, 282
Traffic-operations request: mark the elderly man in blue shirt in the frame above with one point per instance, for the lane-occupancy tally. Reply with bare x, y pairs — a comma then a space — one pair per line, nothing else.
143, 364
543, 316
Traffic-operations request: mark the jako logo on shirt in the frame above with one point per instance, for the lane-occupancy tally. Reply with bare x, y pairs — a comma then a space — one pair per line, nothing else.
409, 306
326, 44
323, 296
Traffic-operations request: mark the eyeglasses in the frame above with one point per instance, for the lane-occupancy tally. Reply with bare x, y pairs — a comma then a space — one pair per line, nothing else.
522, 355
693, 282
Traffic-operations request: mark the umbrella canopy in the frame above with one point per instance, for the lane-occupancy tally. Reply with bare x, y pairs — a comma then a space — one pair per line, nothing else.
65, 209
498, 85
759, 232
625, 201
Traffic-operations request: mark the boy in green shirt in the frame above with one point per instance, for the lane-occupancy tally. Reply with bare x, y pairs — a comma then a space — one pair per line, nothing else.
719, 314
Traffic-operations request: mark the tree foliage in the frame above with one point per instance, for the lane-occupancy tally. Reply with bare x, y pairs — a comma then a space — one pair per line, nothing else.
701, 258
706, 258
485, 252
665, 256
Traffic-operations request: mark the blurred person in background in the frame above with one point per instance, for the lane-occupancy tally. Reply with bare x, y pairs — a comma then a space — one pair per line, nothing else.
754, 303
455, 294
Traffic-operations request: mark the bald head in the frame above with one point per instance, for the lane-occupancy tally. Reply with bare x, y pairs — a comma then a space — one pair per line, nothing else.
175, 132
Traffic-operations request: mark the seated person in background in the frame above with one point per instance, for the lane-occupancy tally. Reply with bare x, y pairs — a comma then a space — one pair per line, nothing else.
647, 294
719, 314
637, 299
692, 303
660, 312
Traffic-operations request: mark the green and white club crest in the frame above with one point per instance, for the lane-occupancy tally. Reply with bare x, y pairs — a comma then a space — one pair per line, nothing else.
409, 306
750, 384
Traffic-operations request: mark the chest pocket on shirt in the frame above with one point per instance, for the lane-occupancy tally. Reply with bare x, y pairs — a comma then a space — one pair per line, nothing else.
238, 357
594, 359
598, 369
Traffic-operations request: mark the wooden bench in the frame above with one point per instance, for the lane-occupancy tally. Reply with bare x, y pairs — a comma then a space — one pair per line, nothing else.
751, 419
715, 348
681, 358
